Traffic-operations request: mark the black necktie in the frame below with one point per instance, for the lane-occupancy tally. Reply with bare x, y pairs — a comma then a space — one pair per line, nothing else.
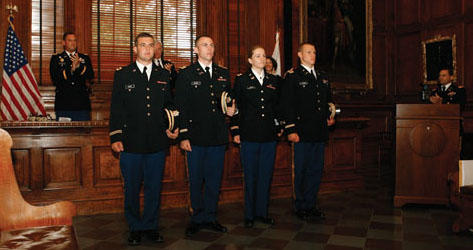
207, 72
443, 88
144, 73
312, 72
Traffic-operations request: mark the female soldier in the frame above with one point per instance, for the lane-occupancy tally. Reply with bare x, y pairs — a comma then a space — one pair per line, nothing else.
256, 94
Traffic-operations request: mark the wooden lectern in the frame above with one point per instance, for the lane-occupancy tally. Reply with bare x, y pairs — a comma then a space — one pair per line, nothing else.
427, 149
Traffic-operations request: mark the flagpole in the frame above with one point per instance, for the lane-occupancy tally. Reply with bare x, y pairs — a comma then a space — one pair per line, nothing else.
11, 8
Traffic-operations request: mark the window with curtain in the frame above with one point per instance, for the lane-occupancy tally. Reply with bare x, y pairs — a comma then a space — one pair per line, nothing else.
115, 23
47, 27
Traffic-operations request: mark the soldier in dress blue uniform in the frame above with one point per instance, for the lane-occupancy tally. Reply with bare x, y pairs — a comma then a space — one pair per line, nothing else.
138, 133
165, 64
447, 92
255, 128
306, 97
71, 73
203, 132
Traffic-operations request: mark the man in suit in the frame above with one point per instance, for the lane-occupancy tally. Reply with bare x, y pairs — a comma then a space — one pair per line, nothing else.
203, 132
138, 133
306, 98
71, 73
447, 92
165, 64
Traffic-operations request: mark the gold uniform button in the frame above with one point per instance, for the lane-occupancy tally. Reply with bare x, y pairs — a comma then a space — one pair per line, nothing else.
211, 86
318, 101
129, 90
318, 108
262, 107
262, 91
147, 105
147, 89
262, 115
212, 94
262, 99
213, 110
213, 102
147, 97
149, 114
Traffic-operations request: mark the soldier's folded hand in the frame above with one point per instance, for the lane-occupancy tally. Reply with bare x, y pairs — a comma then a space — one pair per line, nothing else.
280, 132
294, 137
186, 145
168, 66
117, 147
75, 61
231, 110
172, 135
236, 139
435, 99
330, 121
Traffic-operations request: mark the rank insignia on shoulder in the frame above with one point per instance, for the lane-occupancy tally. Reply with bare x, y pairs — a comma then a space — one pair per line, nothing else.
119, 68
183, 67
325, 81
239, 74
221, 79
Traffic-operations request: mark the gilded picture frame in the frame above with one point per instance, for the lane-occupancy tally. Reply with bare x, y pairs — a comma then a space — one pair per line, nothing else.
437, 53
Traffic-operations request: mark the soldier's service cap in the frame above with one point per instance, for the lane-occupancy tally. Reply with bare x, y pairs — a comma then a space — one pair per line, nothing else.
170, 118
225, 101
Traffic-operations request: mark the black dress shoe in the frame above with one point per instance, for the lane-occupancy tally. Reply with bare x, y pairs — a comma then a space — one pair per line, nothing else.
249, 223
134, 239
315, 213
301, 214
265, 220
215, 226
154, 236
192, 229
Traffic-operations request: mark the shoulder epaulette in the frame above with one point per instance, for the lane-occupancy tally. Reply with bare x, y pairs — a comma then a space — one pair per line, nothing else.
222, 67
119, 68
183, 67
239, 74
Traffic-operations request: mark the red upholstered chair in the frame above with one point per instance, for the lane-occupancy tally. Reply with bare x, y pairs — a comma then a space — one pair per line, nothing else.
461, 195
23, 226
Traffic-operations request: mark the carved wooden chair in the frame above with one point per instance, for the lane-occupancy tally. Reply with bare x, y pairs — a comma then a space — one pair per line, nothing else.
461, 195
23, 226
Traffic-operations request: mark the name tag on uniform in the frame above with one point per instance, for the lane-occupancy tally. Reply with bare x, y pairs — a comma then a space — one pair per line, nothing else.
221, 79
161, 82
130, 86
303, 84
325, 81
250, 87
270, 86
196, 83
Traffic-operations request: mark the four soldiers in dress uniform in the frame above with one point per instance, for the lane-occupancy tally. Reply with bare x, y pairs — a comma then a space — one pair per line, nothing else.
257, 106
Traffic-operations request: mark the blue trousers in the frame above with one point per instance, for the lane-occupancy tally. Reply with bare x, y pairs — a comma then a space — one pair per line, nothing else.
205, 164
257, 160
308, 168
75, 115
146, 169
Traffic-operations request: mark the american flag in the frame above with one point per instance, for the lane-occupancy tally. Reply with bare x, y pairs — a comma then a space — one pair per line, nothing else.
20, 94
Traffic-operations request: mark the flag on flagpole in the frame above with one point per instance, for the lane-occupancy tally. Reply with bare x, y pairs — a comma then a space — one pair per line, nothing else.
277, 55
20, 94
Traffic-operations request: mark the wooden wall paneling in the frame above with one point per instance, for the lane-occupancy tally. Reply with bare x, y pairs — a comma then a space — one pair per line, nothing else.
408, 65
468, 73
106, 168
22, 165
444, 8
407, 12
78, 18
62, 168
